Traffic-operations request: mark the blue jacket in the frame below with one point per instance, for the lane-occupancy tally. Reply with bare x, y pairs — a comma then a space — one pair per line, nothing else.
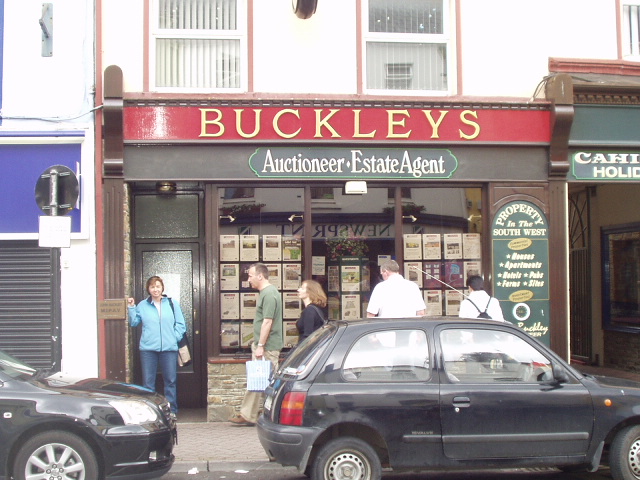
158, 334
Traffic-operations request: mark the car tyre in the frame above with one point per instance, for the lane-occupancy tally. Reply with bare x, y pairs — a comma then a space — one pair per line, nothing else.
346, 458
624, 457
63, 454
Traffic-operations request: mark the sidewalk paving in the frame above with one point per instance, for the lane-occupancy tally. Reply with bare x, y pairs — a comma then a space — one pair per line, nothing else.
223, 446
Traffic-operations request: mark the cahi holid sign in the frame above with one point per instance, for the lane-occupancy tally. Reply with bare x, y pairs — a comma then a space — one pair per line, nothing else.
520, 243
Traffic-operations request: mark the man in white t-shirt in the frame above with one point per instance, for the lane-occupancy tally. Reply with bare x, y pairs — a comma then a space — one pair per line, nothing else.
478, 301
395, 297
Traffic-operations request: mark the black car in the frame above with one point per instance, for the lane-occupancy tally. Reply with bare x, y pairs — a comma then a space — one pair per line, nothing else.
53, 427
443, 393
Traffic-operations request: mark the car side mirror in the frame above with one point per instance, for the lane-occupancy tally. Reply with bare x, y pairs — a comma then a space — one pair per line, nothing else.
560, 374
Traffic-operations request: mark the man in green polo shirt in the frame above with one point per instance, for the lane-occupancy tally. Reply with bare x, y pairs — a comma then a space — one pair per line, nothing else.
268, 338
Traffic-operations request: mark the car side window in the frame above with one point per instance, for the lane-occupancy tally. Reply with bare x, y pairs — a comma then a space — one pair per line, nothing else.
491, 356
388, 356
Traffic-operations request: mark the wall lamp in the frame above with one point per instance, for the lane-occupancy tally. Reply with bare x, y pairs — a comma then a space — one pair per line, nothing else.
165, 187
355, 187
410, 217
293, 216
231, 218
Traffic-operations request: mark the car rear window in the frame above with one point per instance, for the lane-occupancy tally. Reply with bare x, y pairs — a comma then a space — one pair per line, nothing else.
303, 356
388, 356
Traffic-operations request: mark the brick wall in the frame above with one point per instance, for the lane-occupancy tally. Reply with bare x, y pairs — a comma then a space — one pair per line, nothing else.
226, 384
622, 350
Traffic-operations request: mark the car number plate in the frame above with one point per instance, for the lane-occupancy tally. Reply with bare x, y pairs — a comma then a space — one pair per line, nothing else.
268, 402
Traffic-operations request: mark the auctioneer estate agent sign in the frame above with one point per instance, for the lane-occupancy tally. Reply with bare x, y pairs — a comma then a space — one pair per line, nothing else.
520, 243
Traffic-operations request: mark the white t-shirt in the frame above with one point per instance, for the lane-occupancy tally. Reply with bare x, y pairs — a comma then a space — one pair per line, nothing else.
480, 298
396, 298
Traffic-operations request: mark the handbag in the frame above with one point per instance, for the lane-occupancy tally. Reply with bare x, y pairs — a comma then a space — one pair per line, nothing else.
184, 354
258, 375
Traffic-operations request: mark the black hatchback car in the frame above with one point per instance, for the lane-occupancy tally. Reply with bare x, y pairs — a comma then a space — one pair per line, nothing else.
90, 429
445, 393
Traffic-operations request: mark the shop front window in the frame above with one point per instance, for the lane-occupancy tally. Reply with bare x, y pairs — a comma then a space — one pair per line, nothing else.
350, 236
621, 267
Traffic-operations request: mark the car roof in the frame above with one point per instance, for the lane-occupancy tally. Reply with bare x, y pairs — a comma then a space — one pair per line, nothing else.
431, 321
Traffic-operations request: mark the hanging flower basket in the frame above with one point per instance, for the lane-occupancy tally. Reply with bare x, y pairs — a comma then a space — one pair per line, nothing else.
338, 247
407, 209
242, 209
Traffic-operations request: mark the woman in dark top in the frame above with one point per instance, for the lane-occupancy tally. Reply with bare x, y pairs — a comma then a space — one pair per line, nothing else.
315, 300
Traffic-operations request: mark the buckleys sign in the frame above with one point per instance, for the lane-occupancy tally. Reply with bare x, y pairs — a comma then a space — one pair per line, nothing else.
363, 163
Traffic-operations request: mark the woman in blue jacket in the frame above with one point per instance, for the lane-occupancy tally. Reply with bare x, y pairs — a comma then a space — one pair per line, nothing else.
162, 327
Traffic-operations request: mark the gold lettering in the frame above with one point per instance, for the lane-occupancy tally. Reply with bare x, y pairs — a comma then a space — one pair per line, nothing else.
393, 122
204, 122
276, 119
324, 122
356, 127
465, 120
256, 129
435, 125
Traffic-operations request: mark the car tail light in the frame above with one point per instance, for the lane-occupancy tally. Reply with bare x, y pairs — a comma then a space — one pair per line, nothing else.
292, 408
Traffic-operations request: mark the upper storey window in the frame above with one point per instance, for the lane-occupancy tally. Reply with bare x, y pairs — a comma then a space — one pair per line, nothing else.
631, 29
407, 46
198, 45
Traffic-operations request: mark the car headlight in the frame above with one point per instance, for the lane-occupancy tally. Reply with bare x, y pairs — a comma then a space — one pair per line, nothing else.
134, 412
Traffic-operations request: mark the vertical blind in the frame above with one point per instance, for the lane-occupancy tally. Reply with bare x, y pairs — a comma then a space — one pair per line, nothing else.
195, 44
632, 22
415, 55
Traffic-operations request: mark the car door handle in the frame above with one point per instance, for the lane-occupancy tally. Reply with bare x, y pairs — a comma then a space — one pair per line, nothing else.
461, 402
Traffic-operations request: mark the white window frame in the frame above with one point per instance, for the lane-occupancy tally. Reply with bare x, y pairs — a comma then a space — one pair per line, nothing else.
630, 32
446, 38
240, 34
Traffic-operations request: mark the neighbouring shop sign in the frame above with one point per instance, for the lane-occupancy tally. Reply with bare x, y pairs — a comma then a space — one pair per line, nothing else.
520, 243
362, 163
352, 124
605, 166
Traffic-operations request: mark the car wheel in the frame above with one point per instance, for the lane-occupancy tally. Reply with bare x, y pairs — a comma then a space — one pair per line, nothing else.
346, 458
624, 457
55, 454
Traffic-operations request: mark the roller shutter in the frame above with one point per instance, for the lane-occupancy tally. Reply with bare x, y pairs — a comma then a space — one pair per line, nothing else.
30, 303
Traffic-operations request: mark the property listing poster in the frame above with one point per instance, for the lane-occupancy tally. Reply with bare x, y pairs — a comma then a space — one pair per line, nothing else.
351, 307
291, 305
472, 267
249, 249
290, 334
230, 306
452, 246
453, 300
433, 273
292, 274
431, 246
248, 303
412, 272
471, 247
229, 276
433, 300
333, 278
246, 333
350, 278
291, 249
454, 273
229, 248
271, 248
230, 334
275, 274
412, 246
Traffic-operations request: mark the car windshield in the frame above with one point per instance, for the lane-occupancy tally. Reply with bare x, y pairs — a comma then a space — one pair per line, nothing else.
304, 355
14, 368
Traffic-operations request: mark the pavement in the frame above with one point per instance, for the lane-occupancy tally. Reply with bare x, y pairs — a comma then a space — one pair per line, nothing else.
214, 446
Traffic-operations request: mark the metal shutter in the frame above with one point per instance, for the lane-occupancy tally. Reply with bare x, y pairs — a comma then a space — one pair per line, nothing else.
30, 303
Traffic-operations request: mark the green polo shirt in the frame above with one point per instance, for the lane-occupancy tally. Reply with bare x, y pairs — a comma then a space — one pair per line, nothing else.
269, 306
